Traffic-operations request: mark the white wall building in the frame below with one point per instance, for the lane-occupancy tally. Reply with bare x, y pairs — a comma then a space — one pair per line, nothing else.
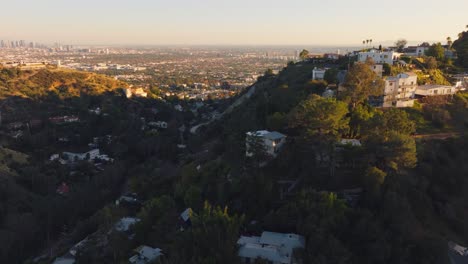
90, 155
145, 254
271, 141
378, 69
416, 51
318, 74
400, 90
158, 124
379, 57
435, 89
421, 50
277, 248
124, 224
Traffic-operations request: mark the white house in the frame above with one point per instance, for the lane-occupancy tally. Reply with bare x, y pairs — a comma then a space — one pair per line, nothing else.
145, 254
400, 90
54, 157
158, 124
328, 93
421, 49
461, 80
128, 93
350, 142
186, 214
318, 73
435, 89
457, 254
124, 224
138, 92
271, 141
378, 69
179, 108
417, 51
379, 57
90, 155
277, 248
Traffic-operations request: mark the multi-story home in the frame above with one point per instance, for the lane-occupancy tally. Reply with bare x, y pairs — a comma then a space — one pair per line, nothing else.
276, 248
435, 89
271, 142
379, 57
400, 90
417, 51
378, 69
318, 74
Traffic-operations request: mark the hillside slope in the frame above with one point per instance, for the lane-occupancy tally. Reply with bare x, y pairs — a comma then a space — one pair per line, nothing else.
60, 82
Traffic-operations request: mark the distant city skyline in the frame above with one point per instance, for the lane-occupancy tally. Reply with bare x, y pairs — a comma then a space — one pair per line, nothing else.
339, 23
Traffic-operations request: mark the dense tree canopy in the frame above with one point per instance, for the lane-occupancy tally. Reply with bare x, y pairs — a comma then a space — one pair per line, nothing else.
320, 116
360, 83
437, 51
461, 46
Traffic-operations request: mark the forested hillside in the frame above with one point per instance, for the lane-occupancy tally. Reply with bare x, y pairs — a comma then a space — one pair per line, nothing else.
48, 112
397, 195
412, 200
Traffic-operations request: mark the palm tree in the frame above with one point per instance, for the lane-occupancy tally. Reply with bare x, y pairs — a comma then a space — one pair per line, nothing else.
449, 42
370, 41
367, 42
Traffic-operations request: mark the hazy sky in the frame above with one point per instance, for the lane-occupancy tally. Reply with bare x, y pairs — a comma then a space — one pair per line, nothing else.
252, 22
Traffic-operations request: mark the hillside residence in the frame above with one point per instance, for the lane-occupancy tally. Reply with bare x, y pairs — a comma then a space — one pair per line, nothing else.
328, 93
400, 90
318, 73
54, 157
96, 111
73, 157
179, 108
277, 248
124, 224
416, 51
158, 124
379, 57
185, 219
462, 80
435, 89
350, 142
138, 92
331, 56
15, 126
457, 254
378, 69
186, 215
64, 119
145, 254
130, 198
272, 142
